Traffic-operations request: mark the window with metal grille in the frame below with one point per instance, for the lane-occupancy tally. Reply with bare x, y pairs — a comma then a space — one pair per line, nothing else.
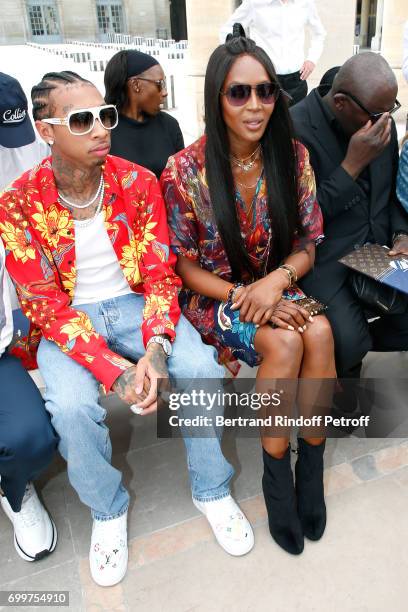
43, 18
110, 17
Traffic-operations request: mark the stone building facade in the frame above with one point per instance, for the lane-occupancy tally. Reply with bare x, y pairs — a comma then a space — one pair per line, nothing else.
50, 21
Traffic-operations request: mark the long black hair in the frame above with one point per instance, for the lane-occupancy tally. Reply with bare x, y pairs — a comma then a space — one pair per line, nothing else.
115, 79
279, 158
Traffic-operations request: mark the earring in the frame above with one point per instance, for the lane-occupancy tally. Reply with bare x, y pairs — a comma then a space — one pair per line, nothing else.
50, 142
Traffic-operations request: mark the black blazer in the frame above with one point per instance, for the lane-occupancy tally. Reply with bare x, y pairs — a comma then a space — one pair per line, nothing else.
348, 213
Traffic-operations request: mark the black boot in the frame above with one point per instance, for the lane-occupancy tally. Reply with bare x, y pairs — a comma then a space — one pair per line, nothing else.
309, 489
280, 500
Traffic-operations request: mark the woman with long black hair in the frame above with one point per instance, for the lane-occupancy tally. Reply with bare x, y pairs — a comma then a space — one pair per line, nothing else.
244, 222
136, 84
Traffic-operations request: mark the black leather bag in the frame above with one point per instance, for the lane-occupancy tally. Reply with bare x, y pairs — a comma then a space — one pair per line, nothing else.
377, 297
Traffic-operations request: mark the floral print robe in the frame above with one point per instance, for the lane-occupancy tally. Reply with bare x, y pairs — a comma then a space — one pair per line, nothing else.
194, 234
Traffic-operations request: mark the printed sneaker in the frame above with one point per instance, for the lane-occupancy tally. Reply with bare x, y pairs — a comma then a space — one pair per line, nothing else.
35, 534
108, 556
229, 524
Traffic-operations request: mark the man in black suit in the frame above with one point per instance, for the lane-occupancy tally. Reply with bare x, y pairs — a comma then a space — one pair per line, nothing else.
353, 147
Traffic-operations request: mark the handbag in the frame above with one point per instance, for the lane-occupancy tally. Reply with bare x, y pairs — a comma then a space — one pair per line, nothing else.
313, 306
377, 297
309, 303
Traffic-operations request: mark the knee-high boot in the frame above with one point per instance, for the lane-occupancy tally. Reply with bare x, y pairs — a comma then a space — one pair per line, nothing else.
280, 500
310, 490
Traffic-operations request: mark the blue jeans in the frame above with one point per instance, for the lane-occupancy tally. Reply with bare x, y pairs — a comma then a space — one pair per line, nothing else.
72, 394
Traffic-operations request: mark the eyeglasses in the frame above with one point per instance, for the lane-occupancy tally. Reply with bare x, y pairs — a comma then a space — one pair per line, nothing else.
161, 83
82, 121
239, 94
373, 116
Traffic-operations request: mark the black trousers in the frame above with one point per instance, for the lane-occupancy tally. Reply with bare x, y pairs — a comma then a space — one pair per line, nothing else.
27, 439
354, 336
293, 84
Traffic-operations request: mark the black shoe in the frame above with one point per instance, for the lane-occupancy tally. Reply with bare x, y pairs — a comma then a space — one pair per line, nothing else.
309, 489
280, 500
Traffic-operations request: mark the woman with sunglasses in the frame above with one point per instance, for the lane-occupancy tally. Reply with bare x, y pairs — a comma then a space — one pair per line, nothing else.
135, 83
244, 221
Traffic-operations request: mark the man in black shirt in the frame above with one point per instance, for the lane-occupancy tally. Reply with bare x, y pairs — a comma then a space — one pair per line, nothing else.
145, 135
352, 141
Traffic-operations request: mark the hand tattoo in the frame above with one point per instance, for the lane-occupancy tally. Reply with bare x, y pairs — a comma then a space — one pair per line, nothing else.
125, 387
157, 358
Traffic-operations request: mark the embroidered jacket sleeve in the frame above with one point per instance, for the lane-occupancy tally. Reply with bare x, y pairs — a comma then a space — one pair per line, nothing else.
43, 301
181, 217
156, 261
310, 215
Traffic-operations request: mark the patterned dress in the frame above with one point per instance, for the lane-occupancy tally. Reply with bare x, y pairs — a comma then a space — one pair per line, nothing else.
194, 234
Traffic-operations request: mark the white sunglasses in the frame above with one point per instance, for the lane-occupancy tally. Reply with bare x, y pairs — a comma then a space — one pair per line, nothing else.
82, 121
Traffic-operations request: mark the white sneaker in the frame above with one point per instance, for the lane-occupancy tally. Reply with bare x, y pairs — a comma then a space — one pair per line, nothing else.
229, 524
108, 556
35, 534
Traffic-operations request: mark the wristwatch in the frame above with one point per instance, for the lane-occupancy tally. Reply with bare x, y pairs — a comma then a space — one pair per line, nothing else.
165, 344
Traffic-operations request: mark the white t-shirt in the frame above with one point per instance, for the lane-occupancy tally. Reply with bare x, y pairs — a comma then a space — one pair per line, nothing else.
279, 28
14, 162
6, 319
98, 273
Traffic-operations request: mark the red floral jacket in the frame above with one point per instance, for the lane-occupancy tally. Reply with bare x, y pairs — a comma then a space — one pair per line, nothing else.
39, 238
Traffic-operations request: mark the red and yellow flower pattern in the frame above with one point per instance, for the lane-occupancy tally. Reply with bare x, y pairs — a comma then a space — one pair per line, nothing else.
39, 237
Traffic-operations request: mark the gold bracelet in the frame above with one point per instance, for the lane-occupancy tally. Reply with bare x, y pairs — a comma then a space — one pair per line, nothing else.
293, 269
291, 272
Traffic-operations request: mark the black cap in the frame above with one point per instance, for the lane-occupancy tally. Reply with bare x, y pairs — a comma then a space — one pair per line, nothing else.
16, 129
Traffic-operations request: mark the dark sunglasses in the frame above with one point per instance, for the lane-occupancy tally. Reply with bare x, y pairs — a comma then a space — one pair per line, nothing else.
160, 83
373, 116
239, 94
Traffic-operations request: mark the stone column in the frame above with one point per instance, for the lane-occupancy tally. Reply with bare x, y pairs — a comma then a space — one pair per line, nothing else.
395, 15
204, 20
365, 12
339, 20
376, 40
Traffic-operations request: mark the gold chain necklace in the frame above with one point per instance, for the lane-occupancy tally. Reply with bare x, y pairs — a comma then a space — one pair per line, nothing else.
248, 163
248, 211
251, 186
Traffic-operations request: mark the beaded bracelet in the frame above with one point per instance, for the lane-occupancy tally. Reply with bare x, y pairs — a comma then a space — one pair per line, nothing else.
227, 295
230, 295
